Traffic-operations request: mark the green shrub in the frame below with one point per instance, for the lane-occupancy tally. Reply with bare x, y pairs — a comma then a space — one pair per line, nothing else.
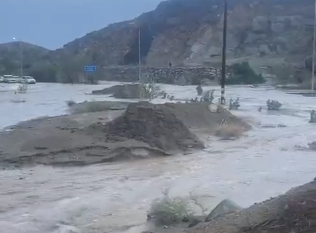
168, 211
244, 74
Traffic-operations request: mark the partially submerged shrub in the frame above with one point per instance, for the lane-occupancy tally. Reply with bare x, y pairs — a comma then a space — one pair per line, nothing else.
70, 103
150, 91
234, 104
208, 97
273, 105
199, 90
168, 211
312, 117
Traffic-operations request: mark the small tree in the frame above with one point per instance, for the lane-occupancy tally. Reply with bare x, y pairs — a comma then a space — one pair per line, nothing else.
244, 74
199, 90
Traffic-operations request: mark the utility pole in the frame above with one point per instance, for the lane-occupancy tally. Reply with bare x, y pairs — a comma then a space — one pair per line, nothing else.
140, 81
314, 41
139, 58
223, 73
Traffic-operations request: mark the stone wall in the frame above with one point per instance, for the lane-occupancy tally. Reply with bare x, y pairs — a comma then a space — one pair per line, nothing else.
168, 75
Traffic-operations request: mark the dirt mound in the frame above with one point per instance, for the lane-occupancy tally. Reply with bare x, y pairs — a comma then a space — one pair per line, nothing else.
126, 91
108, 91
295, 211
156, 125
200, 116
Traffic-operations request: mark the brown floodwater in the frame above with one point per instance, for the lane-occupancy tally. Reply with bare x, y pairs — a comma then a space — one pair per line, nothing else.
112, 197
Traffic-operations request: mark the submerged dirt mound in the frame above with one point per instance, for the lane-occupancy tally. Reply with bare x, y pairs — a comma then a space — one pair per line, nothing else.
155, 125
295, 211
108, 91
200, 116
126, 91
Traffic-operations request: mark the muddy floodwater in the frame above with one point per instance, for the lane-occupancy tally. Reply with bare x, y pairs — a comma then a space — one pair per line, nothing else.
112, 197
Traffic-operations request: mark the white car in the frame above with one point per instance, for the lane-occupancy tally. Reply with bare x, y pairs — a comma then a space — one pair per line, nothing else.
29, 80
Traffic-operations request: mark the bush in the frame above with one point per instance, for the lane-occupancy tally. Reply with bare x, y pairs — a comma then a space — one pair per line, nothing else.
150, 91
273, 105
168, 211
70, 103
244, 74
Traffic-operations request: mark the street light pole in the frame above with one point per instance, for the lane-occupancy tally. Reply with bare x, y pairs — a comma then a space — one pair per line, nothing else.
223, 73
314, 41
139, 58
21, 57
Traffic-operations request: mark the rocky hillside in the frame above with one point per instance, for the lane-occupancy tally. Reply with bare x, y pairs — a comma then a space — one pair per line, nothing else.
273, 35
10, 56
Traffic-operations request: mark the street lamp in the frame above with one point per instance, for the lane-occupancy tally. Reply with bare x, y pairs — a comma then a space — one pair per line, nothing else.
21, 56
223, 74
313, 57
139, 57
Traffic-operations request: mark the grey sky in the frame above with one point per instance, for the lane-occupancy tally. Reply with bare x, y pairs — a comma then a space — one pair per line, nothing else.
52, 23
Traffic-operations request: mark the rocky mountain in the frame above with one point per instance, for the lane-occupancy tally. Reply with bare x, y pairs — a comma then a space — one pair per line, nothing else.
274, 36
10, 56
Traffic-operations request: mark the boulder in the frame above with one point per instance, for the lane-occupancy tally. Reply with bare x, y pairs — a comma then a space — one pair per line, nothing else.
224, 207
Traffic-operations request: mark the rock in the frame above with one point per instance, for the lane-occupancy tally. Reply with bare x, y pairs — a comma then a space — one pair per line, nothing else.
194, 222
224, 207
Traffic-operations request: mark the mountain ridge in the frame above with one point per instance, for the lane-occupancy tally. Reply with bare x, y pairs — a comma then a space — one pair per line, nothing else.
272, 34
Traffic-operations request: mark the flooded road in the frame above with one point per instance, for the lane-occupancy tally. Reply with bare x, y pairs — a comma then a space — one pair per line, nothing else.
109, 197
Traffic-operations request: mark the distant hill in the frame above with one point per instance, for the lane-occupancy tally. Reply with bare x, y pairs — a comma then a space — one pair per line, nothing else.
10, 56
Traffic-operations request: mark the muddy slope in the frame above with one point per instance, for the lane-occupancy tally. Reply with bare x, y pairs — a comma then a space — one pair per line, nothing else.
295, 211
292, 212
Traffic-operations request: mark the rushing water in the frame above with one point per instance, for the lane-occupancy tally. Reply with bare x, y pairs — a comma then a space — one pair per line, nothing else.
108, 197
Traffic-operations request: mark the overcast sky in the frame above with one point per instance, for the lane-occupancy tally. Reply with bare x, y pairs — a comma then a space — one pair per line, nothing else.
52, 23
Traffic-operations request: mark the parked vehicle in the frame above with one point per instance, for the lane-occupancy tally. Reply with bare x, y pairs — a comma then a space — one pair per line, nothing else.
17, 79
11, 79
29, 80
